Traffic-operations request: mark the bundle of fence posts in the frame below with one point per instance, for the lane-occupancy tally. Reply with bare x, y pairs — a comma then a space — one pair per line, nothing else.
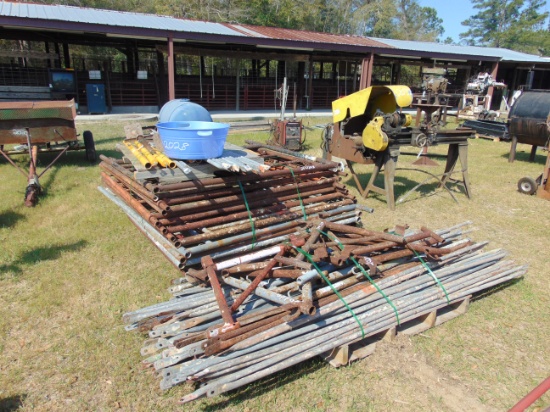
274, 268
338, 285
226, 214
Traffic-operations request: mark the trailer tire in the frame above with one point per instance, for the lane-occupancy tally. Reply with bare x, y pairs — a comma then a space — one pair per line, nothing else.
527, 185
89, 145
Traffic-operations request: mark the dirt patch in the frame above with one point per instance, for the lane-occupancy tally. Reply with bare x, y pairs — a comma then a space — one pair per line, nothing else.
417, 384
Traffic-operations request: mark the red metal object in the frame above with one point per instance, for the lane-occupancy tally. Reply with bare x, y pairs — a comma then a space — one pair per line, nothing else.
265, 271
46, 122
532, 396
208, 264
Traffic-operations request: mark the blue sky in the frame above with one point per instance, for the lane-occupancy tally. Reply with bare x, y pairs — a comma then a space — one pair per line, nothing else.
453, 12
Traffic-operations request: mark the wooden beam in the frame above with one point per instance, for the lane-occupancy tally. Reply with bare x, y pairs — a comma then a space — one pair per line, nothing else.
491, 89
366, 72
238, 54
171, 69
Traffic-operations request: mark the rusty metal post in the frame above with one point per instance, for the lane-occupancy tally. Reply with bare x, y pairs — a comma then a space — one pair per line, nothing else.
209, 265
33, 187
250, 289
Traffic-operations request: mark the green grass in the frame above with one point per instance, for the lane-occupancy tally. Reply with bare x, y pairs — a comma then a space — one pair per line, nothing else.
72, 265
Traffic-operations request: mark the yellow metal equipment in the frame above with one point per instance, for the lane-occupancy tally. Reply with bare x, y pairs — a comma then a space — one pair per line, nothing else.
137, 153
369, 128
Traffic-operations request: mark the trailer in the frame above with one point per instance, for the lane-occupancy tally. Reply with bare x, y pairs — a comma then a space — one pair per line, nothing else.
38, 127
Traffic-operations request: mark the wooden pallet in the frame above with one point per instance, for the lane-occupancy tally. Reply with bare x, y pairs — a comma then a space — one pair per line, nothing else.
485, 136
343, 355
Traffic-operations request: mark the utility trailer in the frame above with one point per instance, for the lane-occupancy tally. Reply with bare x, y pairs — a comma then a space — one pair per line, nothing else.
38, 127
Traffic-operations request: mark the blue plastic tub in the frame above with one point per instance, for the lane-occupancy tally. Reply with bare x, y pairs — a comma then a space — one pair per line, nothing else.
183, 110
193, 140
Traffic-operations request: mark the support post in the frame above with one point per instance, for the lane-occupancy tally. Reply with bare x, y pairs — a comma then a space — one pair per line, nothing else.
513, 149
310, 85
171, 69
458, 151
161, 80
238, 86
386, 161
66, 56
366, 72
491, 89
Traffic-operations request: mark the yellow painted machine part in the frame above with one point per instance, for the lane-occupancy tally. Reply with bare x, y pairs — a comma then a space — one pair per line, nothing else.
148, 155
142, 159
164, 160
367, 101
373, 136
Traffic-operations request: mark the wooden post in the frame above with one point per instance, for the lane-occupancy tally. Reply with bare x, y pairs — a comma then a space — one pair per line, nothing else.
66, 56
366, 72
310, 85
491, 89
238, 85
171, 69
161, 80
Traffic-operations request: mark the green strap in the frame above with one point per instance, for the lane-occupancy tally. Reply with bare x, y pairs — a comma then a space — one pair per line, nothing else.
298, 190
310, 258
373, 283
430, 272
432, 275
365, 273
249, 215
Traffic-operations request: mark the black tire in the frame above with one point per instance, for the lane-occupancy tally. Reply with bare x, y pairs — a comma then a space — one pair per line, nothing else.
527, 185
89, 145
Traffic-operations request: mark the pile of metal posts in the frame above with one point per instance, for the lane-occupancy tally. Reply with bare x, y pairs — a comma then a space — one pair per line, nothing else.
235, 213
337, 286
275, 269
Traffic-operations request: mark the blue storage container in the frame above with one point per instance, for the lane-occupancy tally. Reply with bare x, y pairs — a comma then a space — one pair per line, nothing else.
193, 140
179, 110
95, 95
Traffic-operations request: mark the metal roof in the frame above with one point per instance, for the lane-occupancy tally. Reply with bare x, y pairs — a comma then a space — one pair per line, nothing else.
307, 36
138, 25
111, 18
449, 49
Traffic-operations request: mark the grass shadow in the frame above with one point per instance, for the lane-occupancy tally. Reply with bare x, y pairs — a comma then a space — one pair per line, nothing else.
12, 403
69, 158
524, 155
9, 218
75, 158
112, 153
486, 293
425, 186
262, 386
41, 254
118, 139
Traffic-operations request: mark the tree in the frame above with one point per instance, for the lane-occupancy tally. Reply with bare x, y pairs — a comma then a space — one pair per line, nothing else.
398, 19
513, 24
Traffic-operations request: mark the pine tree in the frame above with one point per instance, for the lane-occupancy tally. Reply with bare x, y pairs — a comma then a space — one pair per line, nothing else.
513, 24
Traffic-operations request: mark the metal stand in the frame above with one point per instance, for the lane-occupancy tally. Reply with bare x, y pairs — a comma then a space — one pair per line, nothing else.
387, 161
431, 111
